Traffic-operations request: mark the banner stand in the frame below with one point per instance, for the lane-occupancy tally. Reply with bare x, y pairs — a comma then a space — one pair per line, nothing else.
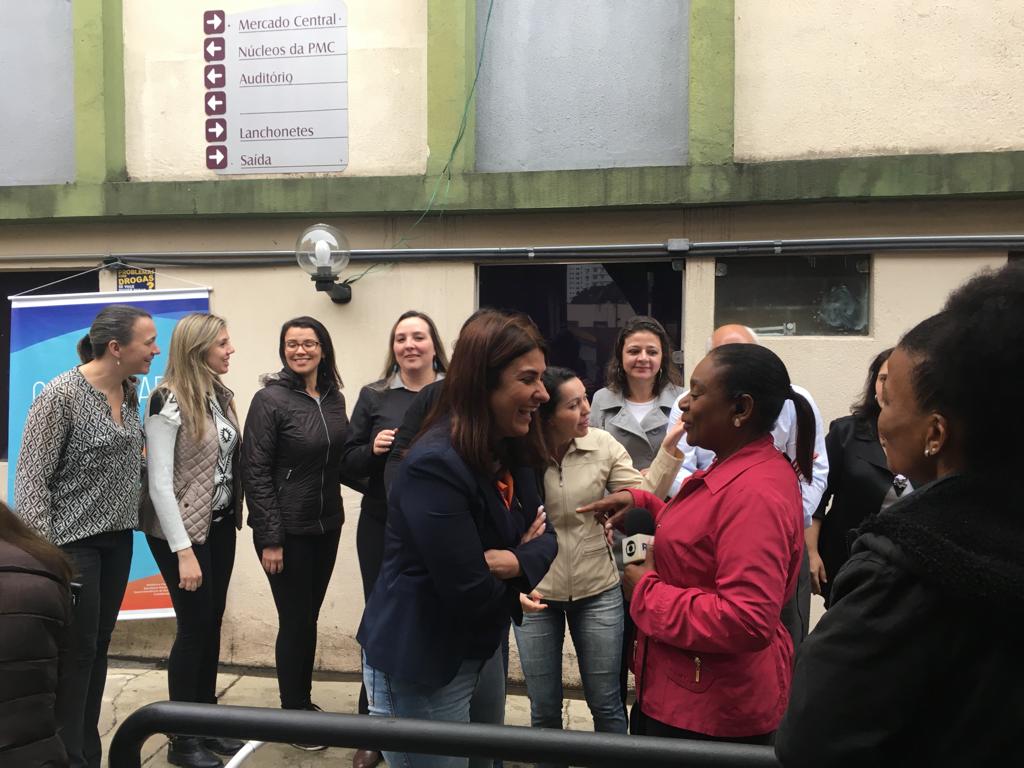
45, 331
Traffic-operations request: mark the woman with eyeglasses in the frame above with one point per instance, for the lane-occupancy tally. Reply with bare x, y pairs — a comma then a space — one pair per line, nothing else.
295, 431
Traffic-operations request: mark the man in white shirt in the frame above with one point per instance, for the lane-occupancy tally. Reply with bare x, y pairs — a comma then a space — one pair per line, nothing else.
796, 613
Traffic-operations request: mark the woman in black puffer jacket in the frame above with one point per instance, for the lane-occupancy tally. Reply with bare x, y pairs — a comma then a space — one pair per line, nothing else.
35, 611
295, 431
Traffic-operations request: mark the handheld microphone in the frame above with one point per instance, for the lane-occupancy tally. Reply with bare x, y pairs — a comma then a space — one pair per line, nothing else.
639, 529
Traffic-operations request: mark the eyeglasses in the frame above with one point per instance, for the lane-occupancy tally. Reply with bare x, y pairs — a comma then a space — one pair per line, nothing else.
307, 345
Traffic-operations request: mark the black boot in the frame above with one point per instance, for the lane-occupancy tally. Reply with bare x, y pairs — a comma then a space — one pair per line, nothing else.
188, 752
221, 745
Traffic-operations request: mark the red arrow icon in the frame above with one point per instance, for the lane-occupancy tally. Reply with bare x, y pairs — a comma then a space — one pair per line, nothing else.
213, 49
214, 76
213, 22
216, 158
216, 103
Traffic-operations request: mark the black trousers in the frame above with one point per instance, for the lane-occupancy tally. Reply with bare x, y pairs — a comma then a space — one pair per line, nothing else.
299, 592
796, 614
370, 549
195, 655
643, 725
102, 564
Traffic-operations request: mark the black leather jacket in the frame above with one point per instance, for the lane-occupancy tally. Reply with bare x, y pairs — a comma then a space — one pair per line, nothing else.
35, 612
290, 460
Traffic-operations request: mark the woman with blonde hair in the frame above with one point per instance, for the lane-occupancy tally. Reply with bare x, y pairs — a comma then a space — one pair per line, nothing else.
192, 442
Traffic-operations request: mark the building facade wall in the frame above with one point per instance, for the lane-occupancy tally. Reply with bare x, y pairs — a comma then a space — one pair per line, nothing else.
256, 300
834, 79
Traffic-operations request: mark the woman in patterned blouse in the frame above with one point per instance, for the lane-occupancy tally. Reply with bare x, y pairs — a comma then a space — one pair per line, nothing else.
77, 484
192, 449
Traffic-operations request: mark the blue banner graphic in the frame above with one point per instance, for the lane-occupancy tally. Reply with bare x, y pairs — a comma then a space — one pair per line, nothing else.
44, 333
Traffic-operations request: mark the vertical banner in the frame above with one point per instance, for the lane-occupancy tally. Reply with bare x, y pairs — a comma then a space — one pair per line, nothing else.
44, 333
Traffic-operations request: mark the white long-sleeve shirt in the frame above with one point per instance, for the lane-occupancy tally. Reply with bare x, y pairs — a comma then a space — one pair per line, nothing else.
784, 434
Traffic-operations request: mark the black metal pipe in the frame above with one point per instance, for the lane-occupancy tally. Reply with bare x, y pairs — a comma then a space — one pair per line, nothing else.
648, 251
424, 736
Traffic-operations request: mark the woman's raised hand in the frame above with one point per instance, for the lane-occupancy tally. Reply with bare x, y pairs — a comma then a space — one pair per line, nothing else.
531, 603
383, 441
608, 511
272, 559
536, 527
672, 437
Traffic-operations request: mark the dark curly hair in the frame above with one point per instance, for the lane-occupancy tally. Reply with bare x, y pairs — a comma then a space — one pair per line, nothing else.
969, 365
616, 376
867, 408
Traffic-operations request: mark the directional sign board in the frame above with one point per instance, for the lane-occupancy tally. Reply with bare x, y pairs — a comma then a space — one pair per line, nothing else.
276, 89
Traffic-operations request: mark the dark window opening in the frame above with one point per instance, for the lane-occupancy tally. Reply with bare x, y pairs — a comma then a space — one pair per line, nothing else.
12, 283
794, 295
580, 307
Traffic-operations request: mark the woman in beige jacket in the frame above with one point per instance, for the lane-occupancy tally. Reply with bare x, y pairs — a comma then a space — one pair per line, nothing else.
582, 587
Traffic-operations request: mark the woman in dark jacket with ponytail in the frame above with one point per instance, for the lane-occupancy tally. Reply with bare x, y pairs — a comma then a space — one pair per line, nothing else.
860, 482
712, 658
295, 431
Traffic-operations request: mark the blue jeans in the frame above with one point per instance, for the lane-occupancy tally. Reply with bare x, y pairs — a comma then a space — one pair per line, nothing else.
479, 682
596, 627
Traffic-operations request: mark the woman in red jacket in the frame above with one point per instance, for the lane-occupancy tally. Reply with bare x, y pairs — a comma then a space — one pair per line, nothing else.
712, 658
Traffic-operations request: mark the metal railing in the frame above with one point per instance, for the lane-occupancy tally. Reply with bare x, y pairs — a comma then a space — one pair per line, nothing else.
424, 736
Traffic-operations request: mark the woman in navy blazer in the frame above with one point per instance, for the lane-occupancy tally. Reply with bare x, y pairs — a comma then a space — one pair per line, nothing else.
466, 534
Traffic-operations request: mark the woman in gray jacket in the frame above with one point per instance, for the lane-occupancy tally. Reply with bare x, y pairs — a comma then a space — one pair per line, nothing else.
195, 495
642, 387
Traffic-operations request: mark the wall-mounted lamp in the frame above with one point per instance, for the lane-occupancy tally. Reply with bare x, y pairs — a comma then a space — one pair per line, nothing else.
323, 252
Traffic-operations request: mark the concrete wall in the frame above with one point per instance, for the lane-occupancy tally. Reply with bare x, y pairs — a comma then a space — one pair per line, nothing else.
256, 300
837, 79
582, 84
37, 126
163, 71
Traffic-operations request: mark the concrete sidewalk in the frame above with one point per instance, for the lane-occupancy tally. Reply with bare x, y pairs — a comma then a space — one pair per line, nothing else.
130, 685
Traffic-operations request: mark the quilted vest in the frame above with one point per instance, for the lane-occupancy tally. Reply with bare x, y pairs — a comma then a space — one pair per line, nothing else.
195, 462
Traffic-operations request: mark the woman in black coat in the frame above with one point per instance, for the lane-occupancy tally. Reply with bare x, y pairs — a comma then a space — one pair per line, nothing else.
35, 611
917, 662
291, 458
860, 482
